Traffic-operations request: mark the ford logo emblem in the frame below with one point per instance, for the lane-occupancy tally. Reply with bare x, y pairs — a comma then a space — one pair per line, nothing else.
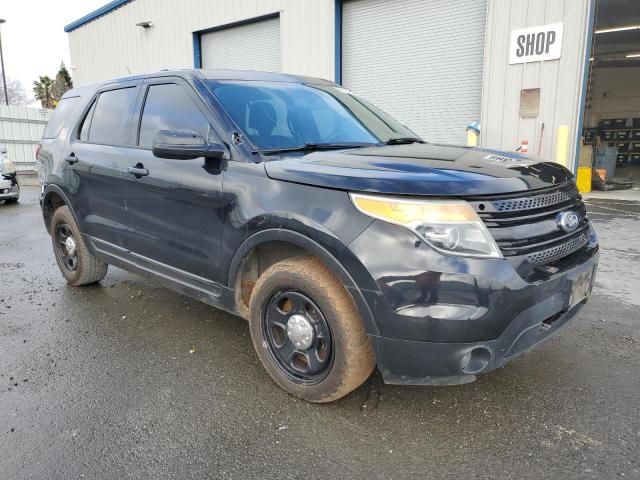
568, 221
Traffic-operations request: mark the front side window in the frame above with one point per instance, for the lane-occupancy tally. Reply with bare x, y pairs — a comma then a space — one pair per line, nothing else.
109, 125
169, 107
289, 115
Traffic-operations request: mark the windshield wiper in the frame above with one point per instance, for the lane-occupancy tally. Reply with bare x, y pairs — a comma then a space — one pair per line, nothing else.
403, 141
309, 147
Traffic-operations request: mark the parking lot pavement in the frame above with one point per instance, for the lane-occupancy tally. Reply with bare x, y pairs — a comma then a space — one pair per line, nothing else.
130, 380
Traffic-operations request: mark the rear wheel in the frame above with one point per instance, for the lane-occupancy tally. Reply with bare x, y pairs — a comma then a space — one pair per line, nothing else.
77, 264
307, 331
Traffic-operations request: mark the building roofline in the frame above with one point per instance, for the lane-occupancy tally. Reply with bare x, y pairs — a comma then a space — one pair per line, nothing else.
109, 7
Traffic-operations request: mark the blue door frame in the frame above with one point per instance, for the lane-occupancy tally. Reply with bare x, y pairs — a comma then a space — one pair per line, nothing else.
585, 82
338, 41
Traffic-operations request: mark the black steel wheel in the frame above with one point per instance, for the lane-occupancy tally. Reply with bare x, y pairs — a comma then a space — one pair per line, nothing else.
66, 247
298, 336
78, 265
307, 331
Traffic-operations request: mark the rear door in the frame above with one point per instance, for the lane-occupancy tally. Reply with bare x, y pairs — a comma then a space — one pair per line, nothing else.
99, 153
175, 209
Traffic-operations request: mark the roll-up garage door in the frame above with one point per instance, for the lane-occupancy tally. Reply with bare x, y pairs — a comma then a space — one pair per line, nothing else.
419, 60
252, 46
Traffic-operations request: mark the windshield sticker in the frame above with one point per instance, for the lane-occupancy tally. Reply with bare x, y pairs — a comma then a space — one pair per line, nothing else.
509, 162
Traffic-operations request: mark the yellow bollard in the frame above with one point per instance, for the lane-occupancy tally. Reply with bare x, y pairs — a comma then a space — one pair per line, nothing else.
583, 179
585, 160
562, 146
472, 138
473, 132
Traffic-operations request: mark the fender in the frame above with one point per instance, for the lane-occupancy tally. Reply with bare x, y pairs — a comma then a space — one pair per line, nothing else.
295, 238
52, 188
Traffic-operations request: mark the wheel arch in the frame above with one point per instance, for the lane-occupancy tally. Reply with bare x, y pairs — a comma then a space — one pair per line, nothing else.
53, 198
300, 245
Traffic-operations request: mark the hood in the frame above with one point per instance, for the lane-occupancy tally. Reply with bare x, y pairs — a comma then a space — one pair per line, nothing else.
418, 169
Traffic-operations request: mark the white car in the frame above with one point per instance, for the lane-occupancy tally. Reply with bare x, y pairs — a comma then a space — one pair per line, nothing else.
9, 187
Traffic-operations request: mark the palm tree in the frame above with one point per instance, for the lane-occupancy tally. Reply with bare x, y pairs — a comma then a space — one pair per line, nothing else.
42, 91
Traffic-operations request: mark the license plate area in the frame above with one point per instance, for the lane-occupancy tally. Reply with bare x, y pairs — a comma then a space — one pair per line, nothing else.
581, 287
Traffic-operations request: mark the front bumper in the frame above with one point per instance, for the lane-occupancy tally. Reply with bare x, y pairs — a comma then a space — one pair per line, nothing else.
9, 189
408, 362
441, 320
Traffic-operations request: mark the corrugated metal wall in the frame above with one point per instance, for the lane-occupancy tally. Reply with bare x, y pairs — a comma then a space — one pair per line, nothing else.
20, 130
113, 46
419, 60
560, 81
256, 46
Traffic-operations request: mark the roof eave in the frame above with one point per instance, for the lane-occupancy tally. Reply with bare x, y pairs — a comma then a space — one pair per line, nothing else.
109, 7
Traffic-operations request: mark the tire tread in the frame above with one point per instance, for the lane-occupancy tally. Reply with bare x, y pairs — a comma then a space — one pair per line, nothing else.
90, 268
354, 364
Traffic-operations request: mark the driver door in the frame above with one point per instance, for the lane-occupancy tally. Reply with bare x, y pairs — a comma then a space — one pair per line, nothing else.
174, 208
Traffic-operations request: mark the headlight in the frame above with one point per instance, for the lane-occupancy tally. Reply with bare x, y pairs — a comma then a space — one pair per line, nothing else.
450, 226
8, 167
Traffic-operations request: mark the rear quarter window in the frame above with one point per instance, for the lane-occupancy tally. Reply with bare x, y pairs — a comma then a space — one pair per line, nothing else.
59, 117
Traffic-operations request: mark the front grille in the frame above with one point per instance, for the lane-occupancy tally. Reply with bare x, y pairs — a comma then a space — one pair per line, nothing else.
537, 201
526, 225
559, 251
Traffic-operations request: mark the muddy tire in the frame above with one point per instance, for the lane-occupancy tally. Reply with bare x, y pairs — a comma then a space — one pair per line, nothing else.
307, 331
77, 264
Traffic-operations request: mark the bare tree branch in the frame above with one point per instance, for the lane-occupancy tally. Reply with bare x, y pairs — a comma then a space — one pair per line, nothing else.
17, 93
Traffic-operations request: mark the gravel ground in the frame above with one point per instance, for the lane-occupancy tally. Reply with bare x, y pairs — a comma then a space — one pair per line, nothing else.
130, 380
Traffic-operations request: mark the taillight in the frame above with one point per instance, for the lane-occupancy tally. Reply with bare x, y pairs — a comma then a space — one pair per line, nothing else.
38, 150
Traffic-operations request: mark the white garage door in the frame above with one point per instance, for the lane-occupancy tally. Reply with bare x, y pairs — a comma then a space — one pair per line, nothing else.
253, 46
419, 60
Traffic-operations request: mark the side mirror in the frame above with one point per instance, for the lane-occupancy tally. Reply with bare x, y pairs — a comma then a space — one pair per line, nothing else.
184, 145
3, 148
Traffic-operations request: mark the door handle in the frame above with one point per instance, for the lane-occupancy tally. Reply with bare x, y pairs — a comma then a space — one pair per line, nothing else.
138, 171
71, 159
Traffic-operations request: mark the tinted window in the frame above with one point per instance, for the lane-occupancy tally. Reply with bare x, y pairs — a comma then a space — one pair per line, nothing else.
86, 124
283, 115
60, 114
168, 107
111, 115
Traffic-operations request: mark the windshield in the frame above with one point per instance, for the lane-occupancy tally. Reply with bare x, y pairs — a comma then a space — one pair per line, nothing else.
278, 115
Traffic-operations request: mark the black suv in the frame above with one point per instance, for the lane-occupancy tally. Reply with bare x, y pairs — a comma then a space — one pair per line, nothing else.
344, 239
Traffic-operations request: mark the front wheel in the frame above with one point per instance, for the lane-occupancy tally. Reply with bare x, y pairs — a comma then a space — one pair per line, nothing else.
307, 331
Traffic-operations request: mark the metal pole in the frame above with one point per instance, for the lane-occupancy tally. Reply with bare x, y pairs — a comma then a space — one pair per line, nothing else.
4, 76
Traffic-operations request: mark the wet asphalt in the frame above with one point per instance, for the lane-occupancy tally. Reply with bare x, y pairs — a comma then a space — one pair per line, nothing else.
130, 380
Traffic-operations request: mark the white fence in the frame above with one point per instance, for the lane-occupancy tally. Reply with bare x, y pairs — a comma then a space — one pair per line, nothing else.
20, 130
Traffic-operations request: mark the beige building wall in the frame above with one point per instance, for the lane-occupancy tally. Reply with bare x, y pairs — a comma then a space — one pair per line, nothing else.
113, 46
560, 81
